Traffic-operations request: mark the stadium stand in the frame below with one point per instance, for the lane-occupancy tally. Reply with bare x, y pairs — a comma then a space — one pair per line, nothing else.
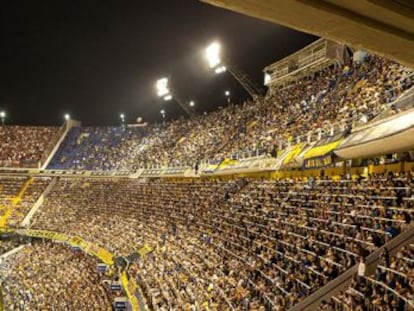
17, 196
8, 245
46, 274
333, 98
257, 242
268, 243
390, 288
106, 148
25, 146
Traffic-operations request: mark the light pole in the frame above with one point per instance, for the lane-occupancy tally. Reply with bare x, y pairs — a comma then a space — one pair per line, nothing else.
215, 62
163, 115
227, 94
165, 92
3, 117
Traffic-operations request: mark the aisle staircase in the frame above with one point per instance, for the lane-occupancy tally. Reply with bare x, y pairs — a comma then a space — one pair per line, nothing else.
28, 217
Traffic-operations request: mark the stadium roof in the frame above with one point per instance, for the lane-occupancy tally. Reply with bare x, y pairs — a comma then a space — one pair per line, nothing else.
385, 27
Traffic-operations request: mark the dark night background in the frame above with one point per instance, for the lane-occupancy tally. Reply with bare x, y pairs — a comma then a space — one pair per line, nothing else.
95, 59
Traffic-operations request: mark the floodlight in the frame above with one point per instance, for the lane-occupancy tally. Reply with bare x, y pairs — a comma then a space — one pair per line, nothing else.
192, 104
167, 92
213, 55
162, 111
168, 97
227, 93
122, 116
220, 69
162, 87
67, 117
267, 79
2, 116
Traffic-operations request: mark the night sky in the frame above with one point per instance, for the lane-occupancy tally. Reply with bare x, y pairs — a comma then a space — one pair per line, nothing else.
96, 59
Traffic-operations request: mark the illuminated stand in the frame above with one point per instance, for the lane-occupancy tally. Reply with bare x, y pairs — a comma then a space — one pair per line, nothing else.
215, 62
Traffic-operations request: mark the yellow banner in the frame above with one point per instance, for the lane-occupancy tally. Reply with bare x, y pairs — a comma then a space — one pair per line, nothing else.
320, 151
88, 247
7, 230
227, 162
47, 235
130, 287
293, 153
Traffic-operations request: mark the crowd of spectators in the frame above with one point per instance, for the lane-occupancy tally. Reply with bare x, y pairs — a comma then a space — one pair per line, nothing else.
52, 276
98, 148
390, 288
335, 97
17, 196
25, 145
238, 244
7, 245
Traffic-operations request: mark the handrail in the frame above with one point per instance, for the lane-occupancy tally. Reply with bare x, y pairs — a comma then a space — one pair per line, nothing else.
390, 290
344, 280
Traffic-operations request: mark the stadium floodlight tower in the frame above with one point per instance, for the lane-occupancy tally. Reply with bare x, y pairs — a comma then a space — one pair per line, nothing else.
165, 92
215, 62
2, 117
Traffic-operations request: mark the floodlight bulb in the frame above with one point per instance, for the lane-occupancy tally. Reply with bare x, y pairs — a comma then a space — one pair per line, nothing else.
2, 114
267, 78
220, 69
168, 97
192, 104
213, 55
67, 117
162, 87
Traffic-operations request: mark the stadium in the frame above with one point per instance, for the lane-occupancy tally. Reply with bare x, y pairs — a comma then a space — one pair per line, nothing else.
298, 198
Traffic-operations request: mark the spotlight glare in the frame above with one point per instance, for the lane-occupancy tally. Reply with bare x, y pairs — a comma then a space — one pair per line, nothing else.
168, 97
162, 87
220, 69
213, 55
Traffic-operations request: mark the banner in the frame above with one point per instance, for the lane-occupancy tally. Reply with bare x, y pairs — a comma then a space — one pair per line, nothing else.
322, 150
130, 287
293, 153
319, 162
88, 247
